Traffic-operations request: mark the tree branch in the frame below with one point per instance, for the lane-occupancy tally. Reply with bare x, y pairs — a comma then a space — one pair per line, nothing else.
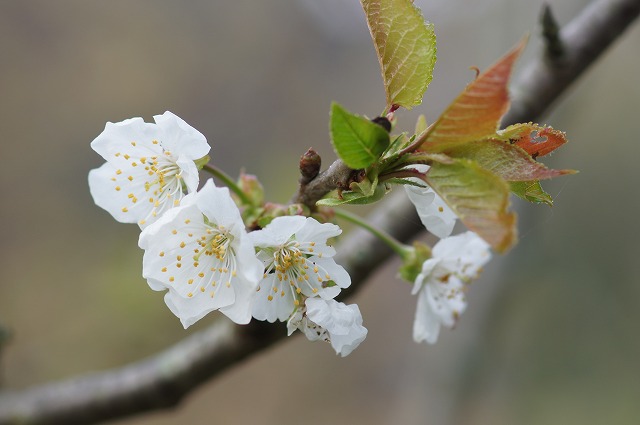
162, 380
583, 39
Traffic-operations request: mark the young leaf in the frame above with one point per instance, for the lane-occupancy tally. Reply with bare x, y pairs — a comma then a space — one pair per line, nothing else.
356, 140
508, 161
421, 125
355, 198
478, 197
475, 114
400, 142
531, 191
536, 140
406, 49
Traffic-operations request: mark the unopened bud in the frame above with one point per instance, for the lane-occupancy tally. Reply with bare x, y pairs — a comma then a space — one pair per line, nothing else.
383, 122
310, 164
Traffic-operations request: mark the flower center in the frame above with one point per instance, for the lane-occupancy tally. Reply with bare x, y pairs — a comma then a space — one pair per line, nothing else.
166, 182
291, 263
218, 266
215, 243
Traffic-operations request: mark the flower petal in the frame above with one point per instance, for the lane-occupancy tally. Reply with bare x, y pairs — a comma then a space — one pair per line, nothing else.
343, 323
274, 300
434, 213
180, 138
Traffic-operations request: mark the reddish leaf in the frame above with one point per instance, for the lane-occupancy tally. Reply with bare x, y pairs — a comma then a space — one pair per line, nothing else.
510, 162
476, 112
534, 139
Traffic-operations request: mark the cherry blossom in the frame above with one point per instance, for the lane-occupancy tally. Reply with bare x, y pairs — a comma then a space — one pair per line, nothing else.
330, 321
440, 286
297, 263
149, 169
202, 254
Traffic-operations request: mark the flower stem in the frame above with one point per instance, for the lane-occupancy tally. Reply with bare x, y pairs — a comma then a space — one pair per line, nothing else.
216, 172
401, 249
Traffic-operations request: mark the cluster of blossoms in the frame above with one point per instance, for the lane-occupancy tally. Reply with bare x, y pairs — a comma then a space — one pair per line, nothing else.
198, 250
455, 261
196, 245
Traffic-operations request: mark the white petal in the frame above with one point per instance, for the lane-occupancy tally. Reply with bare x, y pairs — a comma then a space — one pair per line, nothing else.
245, 284
342, 322
463, 254
188, 310
313, 230
245, 296
434, 213
156, 285
108, 195
425, 275
439, 304
336, 272
180, 138
117, 137
446, 300
216, 203
426, 326
281, 304
189, 172
295, 322
279, 230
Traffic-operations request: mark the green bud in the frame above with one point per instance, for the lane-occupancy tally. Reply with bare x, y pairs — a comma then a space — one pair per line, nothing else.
202, 162
251, 186
412, 263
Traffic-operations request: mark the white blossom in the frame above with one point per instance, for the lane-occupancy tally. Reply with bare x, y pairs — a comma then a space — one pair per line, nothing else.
436, 216
149, 169
440, 286
202, 254
297, 262
330, 321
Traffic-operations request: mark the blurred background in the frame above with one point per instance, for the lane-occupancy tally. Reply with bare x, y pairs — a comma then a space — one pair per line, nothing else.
551, 332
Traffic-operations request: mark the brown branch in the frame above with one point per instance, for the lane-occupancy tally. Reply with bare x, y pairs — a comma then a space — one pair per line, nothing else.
337, 175
583, 39
164, 379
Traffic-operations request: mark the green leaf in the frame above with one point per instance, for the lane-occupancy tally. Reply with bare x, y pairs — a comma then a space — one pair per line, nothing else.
355, 198
508, 161
356, 140
406, 49
479, 198
400, 142
531, 191
475, 114
366, 186
421, 125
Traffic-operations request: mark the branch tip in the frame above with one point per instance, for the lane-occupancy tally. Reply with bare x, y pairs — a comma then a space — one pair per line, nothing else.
554, 46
